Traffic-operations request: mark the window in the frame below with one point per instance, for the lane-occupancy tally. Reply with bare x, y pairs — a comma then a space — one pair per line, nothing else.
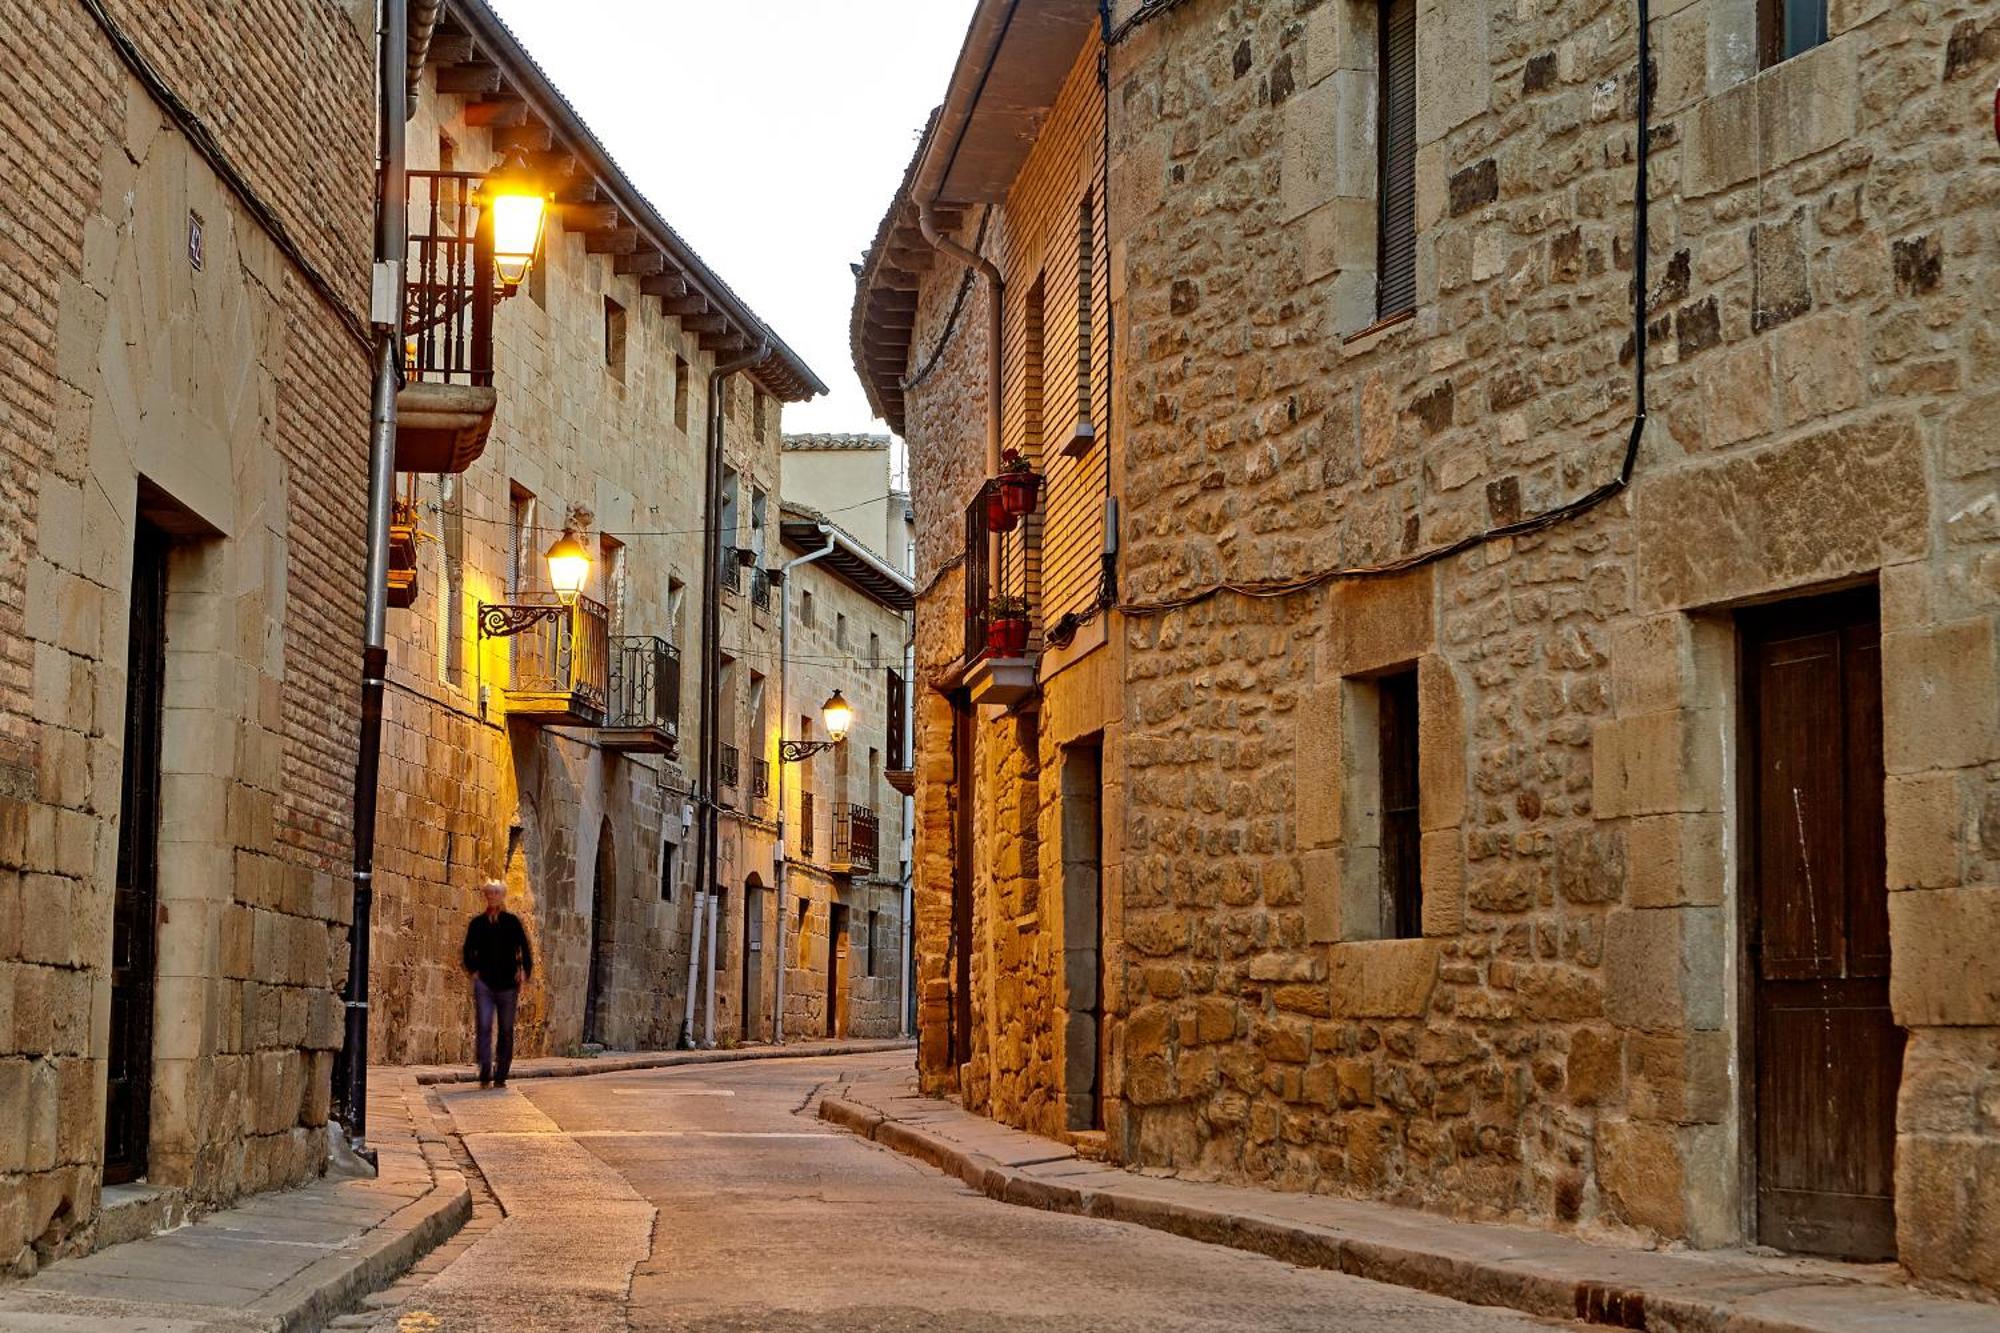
730, 523
614, 337
1402, 865
804, 957
680, 391
756, 737
1396, 183
874, 778
1786, 28
1086, 275
840, 629
677, 611
760, 412
874, 650
806, 609
451, 602
759, 505
667, 851
520, 541
1033, 350
611, 561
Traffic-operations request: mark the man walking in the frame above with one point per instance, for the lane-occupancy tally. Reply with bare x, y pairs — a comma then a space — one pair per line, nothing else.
499, 962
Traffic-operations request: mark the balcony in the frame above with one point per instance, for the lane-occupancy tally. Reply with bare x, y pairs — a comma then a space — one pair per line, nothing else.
444, 411
559, 658
760, 779
732, 767
857, 837
901, 770
1000, 639
644, 711
760, 588
805, 826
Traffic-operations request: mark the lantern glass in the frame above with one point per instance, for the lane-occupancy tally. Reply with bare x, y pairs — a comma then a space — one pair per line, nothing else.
517, 231
569, 568
838, 715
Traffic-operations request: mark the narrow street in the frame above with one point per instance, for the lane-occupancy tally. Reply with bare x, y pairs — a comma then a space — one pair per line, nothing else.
713, 1198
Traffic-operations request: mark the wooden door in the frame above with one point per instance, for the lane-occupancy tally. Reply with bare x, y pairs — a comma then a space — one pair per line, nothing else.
836, 970
1827, 1055
135, 905
603, 921
753, 960
964, 788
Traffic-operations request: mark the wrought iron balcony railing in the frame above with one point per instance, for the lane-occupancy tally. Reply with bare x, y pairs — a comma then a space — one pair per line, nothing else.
857, 836
644, 710
449, 284
560, 657
732, 766
760, 779
760, 588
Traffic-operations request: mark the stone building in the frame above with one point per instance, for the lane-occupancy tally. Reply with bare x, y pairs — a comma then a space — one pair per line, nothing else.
183, 423
1528, 757
558, 749
859, 481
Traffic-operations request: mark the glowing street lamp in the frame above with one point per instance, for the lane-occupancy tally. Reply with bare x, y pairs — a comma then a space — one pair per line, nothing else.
569, 567
838, 715
518, 205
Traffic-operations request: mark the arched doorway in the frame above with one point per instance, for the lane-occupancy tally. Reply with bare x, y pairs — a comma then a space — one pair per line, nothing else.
752, 1006
603, 917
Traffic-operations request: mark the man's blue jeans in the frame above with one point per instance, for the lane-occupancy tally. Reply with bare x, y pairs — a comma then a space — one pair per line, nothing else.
488, 1004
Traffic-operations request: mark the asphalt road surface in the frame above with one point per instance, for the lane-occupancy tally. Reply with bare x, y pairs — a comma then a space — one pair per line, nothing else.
712, 1198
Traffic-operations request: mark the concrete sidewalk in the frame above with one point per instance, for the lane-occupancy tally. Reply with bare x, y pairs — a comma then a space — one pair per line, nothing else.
278, 1262
1536, 1272
620, 1062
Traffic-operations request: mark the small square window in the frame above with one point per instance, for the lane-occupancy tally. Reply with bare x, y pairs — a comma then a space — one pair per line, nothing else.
840, 629
1402, 860
1786, 28
681, 392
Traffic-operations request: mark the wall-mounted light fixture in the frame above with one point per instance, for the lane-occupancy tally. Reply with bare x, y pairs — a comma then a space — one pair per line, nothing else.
838, 717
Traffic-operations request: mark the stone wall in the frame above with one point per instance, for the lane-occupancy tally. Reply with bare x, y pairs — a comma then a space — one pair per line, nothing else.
1560, 1044
226, 403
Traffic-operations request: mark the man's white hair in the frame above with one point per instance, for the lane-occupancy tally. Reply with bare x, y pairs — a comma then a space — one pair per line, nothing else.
492, 884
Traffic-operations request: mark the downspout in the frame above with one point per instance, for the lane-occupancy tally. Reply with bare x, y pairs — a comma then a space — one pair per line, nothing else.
424, 16
907, 1014
706, 850
995, 315
391, 242
784, 719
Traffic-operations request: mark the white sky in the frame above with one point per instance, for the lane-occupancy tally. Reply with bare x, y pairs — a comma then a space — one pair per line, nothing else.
770, 133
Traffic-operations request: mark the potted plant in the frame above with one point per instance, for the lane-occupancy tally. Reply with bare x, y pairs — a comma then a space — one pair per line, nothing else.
1007, 626
1019, 484
998, 517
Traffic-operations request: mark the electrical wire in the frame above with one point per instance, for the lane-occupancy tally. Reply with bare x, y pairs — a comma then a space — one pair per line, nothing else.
957, 309
434, 508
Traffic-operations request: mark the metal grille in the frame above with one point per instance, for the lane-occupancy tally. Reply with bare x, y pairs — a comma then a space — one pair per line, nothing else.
857, 837
760, 588
448, 294
563, 654
760, 779
806, 824
732, 766
898, 705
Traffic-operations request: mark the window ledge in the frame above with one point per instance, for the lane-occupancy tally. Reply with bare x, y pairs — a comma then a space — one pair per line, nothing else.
1381, 325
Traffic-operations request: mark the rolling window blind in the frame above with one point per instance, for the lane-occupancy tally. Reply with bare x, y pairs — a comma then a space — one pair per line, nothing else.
1396, 262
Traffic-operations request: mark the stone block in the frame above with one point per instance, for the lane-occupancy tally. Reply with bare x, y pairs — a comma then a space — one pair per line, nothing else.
1663, 969
1940, 697
1383, 978
1926, 830
1948, 1207
1682, 1077
1803, 106
1642, 1176
1320, 878
1374, 624
1441, 762
1595, 1069
1658, 763
1453, 37
1317, 767
1674, 860
1649, 664
1310, 163
1443, 860
1819, 367
1944, 970
1739, 395
1840, 502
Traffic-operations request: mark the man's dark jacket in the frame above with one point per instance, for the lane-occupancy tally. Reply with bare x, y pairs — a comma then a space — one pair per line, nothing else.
495, 947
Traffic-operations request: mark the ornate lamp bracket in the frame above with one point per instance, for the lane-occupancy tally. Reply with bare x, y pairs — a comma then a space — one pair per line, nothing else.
504, 622
793, 752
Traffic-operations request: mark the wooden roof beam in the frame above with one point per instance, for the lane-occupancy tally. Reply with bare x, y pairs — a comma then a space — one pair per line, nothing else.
529, 137
641, 263
473, 77
672, 286
724, 342
705, 323
617, 241
496, 112
682, 307
450, 48
588, 217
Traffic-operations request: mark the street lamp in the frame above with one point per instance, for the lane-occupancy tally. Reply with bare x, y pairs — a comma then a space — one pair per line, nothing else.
838, 715
518, 205
569, 567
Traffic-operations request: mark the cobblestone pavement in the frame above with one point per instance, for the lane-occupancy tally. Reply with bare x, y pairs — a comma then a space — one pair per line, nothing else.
713, 1199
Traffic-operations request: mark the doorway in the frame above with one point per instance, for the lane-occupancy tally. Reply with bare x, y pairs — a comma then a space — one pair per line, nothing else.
1826, 1054
752, 1007
135, 905
603, 915
964, 749
1083, 933
836, 970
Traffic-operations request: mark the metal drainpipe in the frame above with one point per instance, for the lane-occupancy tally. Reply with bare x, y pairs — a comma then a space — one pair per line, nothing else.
391, 242
906, 1015
996, 287
784, 718
706, 850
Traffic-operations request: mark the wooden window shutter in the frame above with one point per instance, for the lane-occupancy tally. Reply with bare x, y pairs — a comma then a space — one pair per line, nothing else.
1396, 260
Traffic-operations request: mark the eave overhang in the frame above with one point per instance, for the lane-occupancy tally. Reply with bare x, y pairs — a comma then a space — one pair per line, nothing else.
804, 531
1016, 56
475, 54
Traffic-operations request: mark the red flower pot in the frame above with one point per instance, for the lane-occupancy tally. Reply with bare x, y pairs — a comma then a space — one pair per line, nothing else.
1018, 491
1007, 638
999, 518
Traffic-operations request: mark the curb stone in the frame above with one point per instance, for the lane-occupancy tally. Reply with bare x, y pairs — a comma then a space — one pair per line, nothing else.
1519, 1284
583, 1066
